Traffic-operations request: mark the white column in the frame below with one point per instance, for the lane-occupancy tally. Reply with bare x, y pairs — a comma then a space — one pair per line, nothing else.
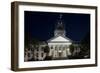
57, 51
53, 51
50, 52
66, 50
39, 53
69, 53
63, 51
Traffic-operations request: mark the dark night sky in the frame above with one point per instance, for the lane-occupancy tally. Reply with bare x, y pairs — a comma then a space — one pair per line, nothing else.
41, 25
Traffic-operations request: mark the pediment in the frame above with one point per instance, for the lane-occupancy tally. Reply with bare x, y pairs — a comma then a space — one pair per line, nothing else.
59, 39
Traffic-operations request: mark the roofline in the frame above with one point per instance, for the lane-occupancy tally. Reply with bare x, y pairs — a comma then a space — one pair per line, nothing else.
58, 36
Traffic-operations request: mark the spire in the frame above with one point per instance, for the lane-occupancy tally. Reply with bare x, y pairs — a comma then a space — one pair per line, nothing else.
60, 25
60, 17
60, 30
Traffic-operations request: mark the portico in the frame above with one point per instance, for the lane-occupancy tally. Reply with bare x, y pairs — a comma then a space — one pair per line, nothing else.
59, 47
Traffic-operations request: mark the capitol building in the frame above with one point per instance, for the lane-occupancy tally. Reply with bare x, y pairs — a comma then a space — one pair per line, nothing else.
59, 45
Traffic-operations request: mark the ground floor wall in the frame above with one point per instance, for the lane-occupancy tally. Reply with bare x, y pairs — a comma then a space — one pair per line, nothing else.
59, 51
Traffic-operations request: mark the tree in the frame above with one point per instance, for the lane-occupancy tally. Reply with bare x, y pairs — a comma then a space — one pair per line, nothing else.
85, 46
71, 48
46, 49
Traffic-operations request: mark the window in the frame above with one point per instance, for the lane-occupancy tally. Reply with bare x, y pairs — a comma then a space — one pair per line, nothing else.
25, 54
28, 54
28, 48
36, 54
31, 49
37, 49
51, 47
42, 54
